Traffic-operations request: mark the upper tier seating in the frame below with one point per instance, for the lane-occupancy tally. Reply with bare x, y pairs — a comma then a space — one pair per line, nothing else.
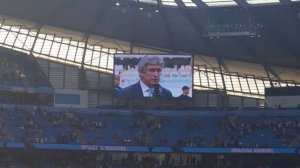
144, 129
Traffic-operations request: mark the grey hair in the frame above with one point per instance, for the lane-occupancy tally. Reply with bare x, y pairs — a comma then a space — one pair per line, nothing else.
149, 59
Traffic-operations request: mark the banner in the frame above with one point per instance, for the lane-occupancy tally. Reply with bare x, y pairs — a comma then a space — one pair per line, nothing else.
110, 148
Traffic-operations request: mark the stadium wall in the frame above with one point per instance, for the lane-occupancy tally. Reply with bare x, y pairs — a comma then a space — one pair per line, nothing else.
70, 98
61, 76
283, 101
64, 76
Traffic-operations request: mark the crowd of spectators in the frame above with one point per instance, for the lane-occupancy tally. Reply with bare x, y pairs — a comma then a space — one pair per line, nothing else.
33, 126
19, 70
196, 139
3, 132
38, 125
141, 129
285, 129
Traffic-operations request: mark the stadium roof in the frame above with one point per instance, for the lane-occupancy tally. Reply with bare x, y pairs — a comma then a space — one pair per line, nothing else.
177, 25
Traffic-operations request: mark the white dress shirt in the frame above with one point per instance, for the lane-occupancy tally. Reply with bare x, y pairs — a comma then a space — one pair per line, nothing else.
147, 92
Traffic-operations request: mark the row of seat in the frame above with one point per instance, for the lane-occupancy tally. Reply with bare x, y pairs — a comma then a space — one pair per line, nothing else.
150, 130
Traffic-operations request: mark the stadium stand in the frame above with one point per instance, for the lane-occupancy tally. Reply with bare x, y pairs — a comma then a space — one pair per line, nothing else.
257, 129
18, 69
30, 127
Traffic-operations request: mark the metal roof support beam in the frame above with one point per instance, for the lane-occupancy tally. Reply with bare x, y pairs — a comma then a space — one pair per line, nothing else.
153, 48
221, 63
284, 69
82, 73
167, 26
35, 39
134, 25
201, 4
87, 36
243, 4
294, 71
287, 3
189, 16
269, 77
34, 58
191, 19
266, 66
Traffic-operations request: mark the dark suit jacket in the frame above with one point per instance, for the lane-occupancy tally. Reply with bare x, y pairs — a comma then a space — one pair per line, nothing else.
135, 90
117, 89
184, 97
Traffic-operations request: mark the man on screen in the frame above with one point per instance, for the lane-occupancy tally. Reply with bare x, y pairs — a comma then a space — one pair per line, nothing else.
117, 87
184, 100
149, 68
185, 93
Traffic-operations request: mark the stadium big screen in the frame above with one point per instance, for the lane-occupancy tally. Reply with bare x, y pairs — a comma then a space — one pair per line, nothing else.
153, 75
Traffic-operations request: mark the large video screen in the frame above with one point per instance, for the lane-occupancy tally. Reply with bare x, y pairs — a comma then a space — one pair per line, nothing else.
153, 75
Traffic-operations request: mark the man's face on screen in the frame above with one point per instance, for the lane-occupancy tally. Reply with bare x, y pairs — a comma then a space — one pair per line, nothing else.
117, 81
151, 74
186, 91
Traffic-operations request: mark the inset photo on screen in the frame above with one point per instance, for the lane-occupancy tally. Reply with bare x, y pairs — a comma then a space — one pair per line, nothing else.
153, 75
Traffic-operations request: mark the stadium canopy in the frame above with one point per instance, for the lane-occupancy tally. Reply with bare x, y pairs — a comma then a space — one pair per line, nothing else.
176, 25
